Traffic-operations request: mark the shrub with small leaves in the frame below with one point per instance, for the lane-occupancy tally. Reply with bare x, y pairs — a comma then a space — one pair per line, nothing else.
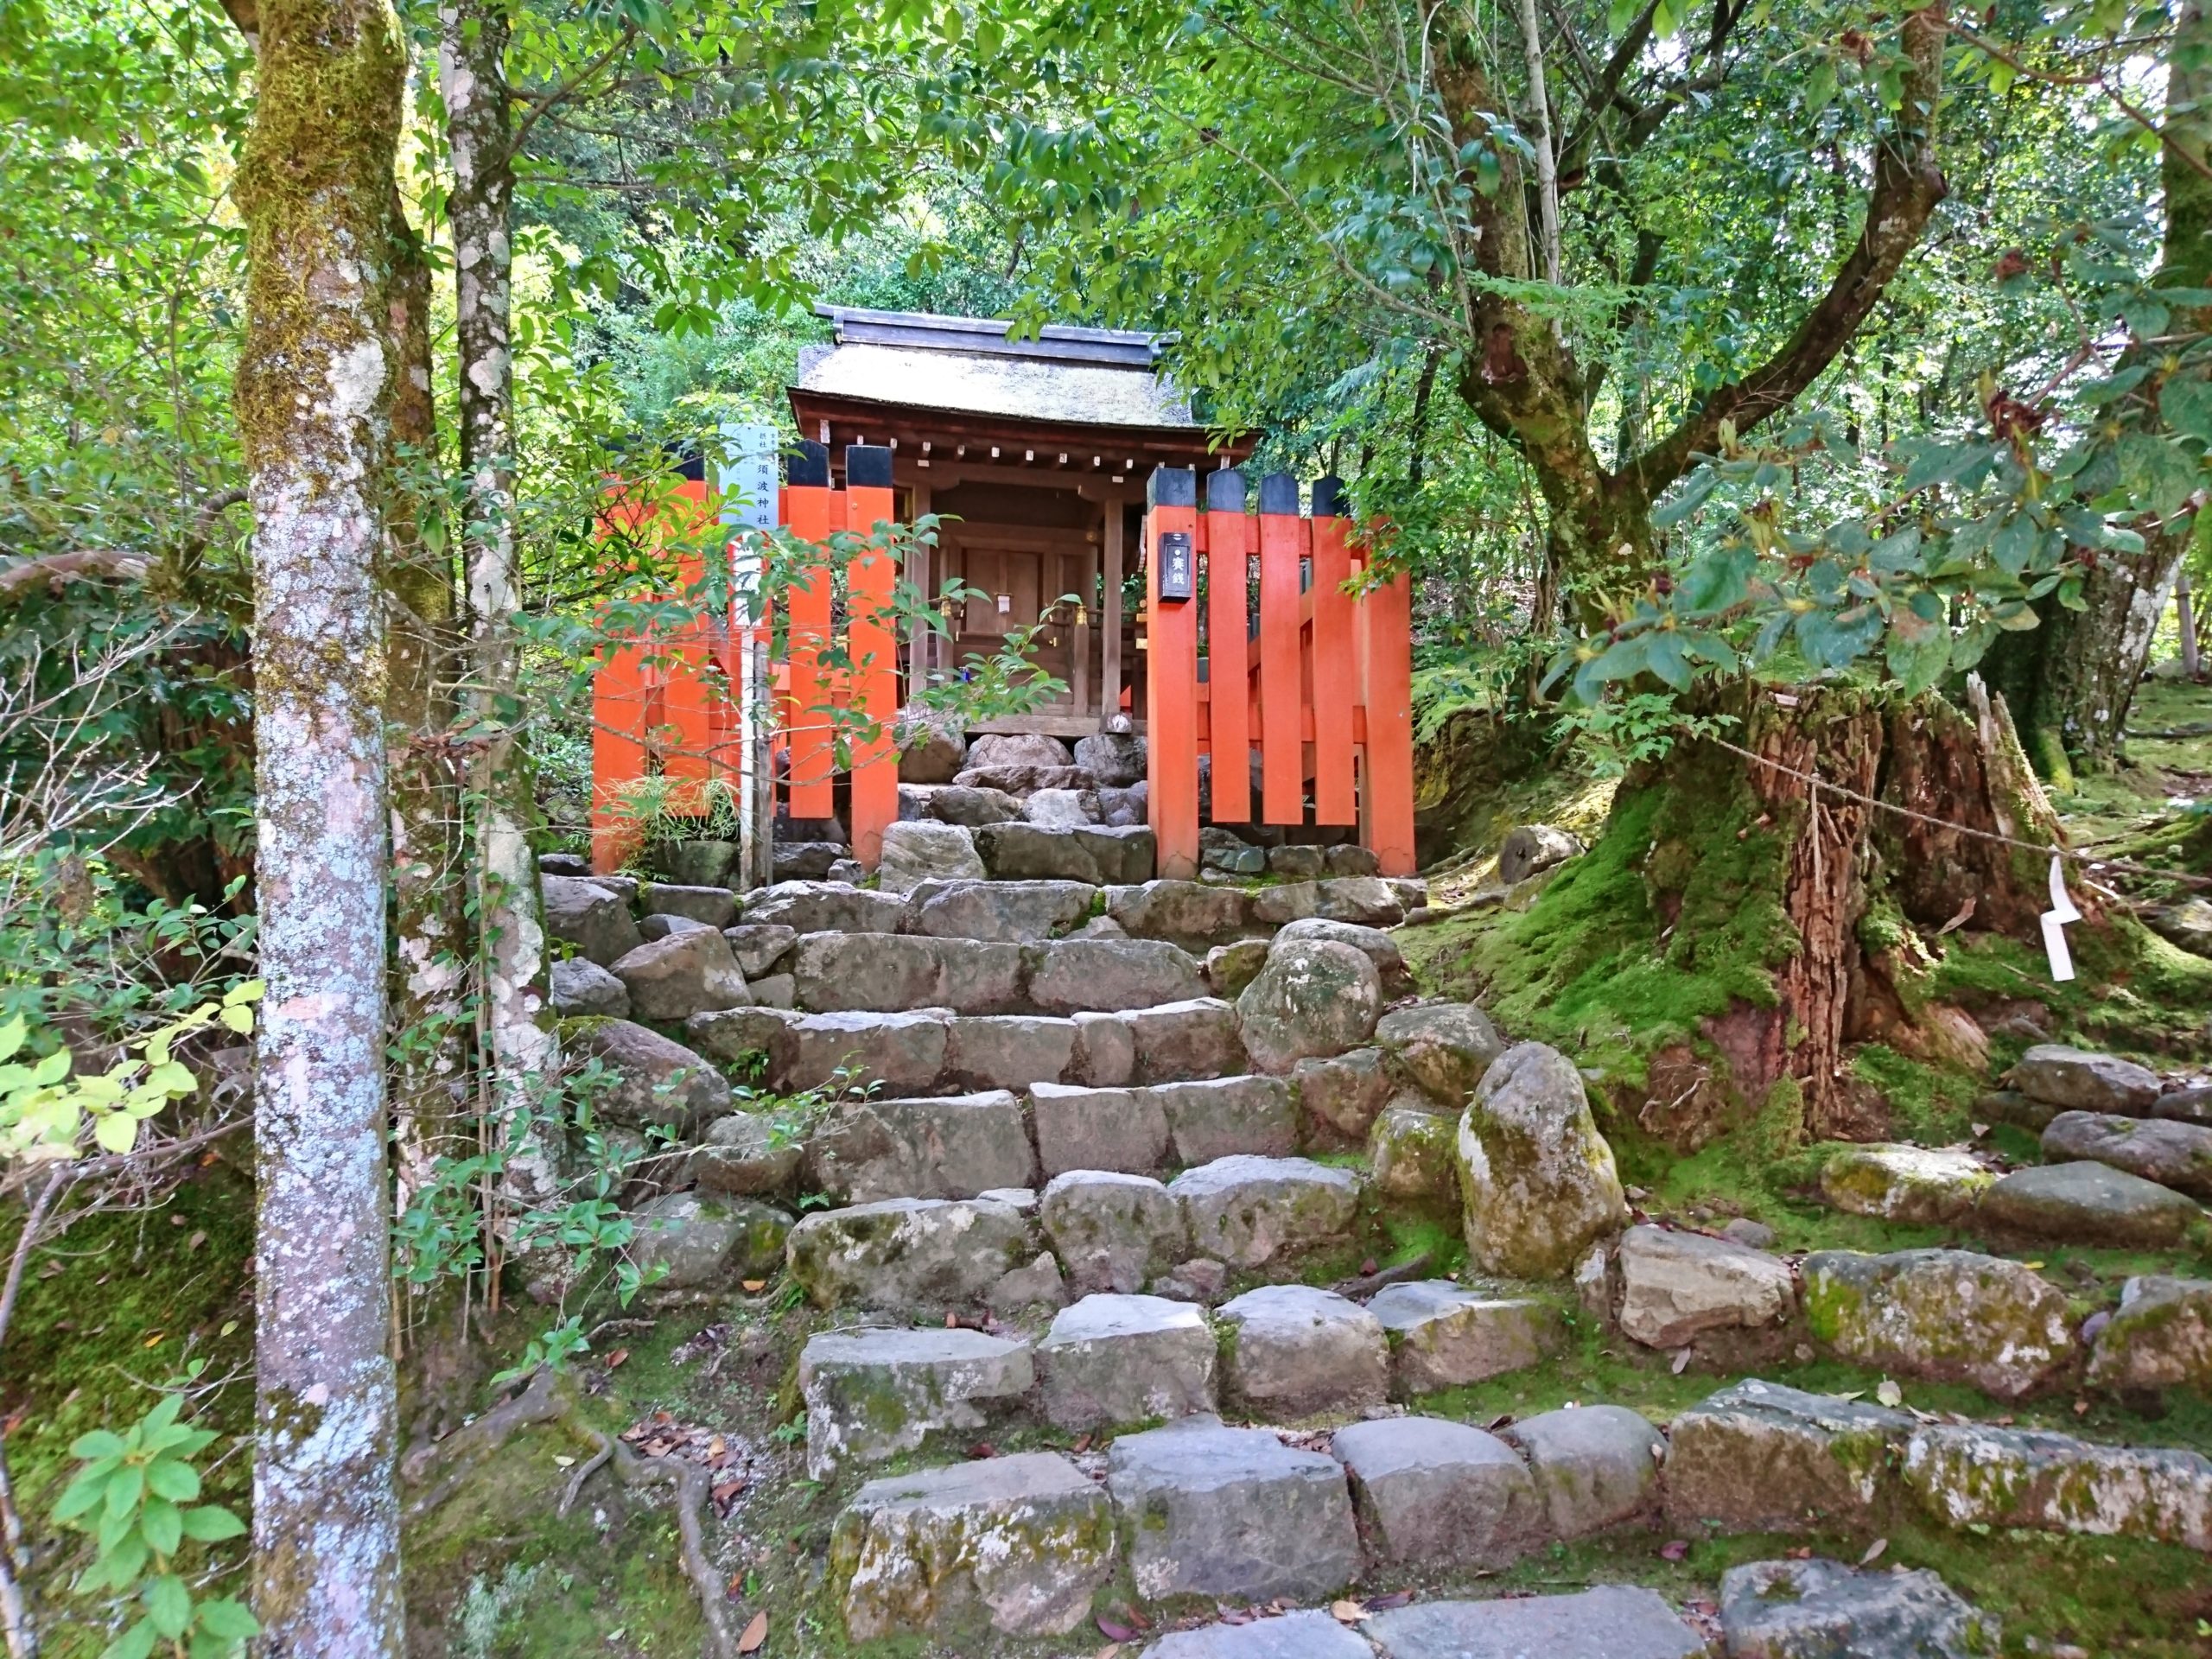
135, 1495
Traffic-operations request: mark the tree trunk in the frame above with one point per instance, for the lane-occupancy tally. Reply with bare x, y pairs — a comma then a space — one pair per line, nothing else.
428, 914
314, 400
1835, 857
472, 59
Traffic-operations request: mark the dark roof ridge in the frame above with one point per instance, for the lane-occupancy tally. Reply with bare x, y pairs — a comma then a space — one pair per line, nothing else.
1060, 342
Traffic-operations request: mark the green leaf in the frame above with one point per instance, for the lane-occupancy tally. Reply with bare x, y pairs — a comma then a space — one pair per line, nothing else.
82, 1494
211, 1523
228, 1619
124, 1488
2014, 544
2098, 393
2157, 473
168, 1605
116, 1132
99, 1443
2187, 407
1719, 579
12, 1034
1666, 659
136, 1642
177, 1482
1917, 665
1834, 638
162, 1525
1687, 501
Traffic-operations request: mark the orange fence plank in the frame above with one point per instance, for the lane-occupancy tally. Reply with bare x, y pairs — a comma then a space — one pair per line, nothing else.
1385, 615
1229, 741
813, 510
872, 643
1335, 685
1282, 758
624, 693
1172, 679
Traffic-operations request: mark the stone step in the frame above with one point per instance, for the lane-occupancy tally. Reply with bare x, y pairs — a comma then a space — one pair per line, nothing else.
869, 1146
925, 1048
901, 1252
1199, 1508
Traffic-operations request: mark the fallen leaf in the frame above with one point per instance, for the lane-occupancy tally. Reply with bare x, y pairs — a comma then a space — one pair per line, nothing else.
154, 1339
1112, 1631
1979, 1130
983, 1449
2081, 1407
2031, 1266
952, 1321
1873, 1552
1804, 1555
726, 1489
1109, 1651
563, 1463
195, 1241
1681, 1360
615, 1359
753, 1287
756, 1633
1348, 1613
1673, 1550
1889, 1393
1384, 1604
716, 1445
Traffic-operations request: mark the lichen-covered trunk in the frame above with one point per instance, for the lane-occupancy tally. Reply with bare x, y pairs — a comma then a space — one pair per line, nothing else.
314, 398
472, 68
429, 1010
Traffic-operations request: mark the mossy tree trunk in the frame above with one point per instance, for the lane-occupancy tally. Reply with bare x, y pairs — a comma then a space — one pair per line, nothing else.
518, 1038
1841, 847
314, 395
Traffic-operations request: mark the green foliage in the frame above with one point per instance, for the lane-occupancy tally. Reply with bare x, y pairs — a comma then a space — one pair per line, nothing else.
45, 1110
136, 1493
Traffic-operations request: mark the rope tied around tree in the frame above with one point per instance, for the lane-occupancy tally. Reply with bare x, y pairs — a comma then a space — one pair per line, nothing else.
1815, 784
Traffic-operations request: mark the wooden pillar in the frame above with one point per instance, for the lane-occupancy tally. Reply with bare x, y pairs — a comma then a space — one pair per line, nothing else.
1228, 661
870, 642
1282, 734
1385, 617
1335, 687
920, 642
624, 693
1079, 644
1110, 610
813, 757
1171, 680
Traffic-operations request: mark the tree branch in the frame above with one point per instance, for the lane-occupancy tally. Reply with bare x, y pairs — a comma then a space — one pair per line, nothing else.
571, 87
1908, 184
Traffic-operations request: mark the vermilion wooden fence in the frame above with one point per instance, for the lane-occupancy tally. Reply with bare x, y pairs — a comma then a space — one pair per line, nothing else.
1318, 680
1315, 678
671, 702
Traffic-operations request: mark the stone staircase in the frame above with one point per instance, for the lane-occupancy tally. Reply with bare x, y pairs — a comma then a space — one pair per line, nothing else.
1079, 1138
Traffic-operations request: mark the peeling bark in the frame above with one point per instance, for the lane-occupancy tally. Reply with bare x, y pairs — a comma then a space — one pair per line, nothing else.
313, 403
472, 68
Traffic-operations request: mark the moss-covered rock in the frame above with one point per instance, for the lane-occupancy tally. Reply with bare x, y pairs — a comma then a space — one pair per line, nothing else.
1536, 1180
1905, 1182
871, 1394
2160, 1339
704, 1240
1757, 1457
1314, 997
1949, 1315
1970, 1475
1017, 1544
1412, 1153
902, 1254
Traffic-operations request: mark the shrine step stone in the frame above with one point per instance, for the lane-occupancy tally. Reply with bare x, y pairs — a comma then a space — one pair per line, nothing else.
1608, 1622
872, 1395
1210, 1510
1017, 1545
